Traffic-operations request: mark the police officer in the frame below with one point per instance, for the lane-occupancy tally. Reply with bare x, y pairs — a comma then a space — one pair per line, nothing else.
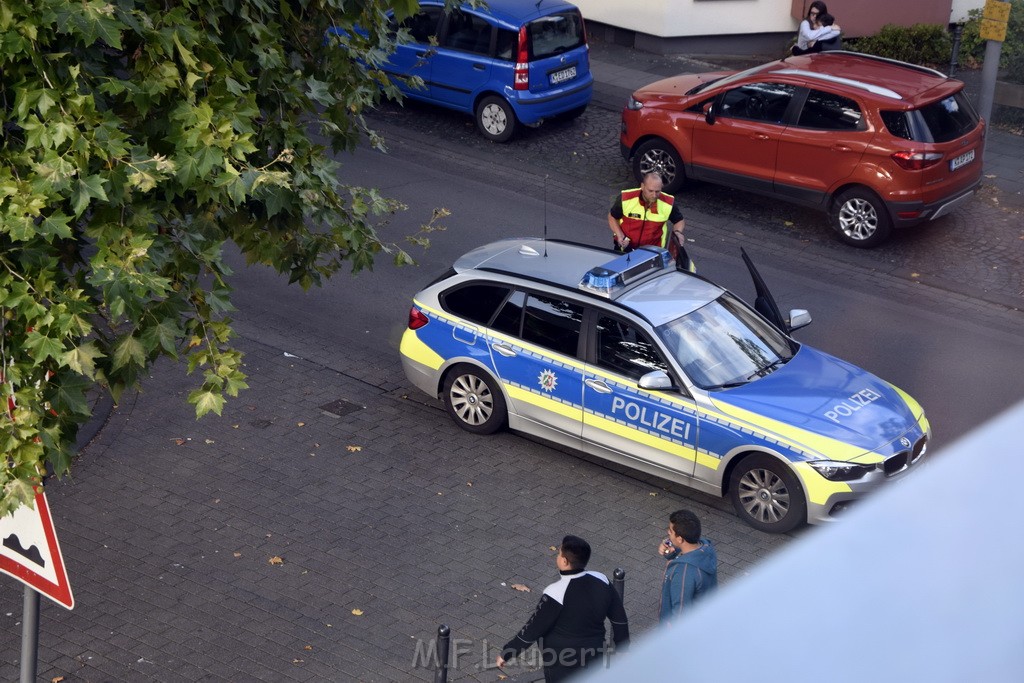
645, 216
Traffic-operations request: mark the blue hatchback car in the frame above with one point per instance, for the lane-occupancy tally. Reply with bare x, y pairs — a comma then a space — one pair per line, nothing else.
512, 62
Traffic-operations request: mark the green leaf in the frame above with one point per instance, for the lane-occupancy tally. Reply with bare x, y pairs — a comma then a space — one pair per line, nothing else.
86, 189
43, 347
163, 335
55, 225
82, 359
129, 351
206, 402
69, 395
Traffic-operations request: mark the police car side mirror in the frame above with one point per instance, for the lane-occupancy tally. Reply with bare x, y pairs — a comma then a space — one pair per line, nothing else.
656, 380
798, 318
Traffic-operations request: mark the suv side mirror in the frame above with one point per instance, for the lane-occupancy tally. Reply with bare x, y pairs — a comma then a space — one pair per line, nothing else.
709, 113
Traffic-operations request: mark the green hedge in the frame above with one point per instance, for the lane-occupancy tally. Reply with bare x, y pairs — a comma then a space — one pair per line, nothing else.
920, 44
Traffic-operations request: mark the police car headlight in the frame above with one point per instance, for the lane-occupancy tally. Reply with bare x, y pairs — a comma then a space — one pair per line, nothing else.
634, 104
840, 471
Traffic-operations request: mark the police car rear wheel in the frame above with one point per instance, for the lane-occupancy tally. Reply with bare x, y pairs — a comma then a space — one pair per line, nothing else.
767, 495
474, 400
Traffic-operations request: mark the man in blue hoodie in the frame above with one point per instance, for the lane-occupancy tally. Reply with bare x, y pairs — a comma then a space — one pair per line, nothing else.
692, 568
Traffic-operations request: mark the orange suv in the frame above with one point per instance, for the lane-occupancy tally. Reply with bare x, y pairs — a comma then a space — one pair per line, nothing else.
874, 142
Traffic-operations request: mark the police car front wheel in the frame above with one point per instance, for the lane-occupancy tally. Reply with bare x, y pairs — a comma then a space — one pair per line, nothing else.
767, 495
474, 400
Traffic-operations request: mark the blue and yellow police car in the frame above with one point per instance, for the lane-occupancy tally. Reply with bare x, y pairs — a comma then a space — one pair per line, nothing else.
628, 358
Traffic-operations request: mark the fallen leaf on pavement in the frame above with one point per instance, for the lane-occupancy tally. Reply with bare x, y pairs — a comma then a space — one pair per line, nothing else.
358, 612
788, 224
275, 560
56, 679
300, 424
297, 661
210, 441
353, 449
179, 442
237, 554
308, 647
520, 587
469, 483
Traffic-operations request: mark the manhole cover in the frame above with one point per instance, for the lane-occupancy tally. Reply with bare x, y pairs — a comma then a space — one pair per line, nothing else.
340, 407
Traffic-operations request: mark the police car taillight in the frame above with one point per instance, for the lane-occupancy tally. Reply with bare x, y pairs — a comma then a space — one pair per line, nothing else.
616, 274
417, 319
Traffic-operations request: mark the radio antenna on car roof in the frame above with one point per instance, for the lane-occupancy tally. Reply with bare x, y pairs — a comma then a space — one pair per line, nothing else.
545, 207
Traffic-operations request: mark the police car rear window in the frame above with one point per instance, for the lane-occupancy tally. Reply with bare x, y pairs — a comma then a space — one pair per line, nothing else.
476, 302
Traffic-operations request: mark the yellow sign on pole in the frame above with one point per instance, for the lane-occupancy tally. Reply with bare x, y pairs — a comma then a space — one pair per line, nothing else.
999, 11
991, 29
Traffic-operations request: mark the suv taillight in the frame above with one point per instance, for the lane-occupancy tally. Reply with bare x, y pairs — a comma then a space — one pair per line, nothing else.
915, 161
521, 80
417, 319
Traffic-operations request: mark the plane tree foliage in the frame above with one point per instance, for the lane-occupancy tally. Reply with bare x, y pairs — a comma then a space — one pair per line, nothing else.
140, 139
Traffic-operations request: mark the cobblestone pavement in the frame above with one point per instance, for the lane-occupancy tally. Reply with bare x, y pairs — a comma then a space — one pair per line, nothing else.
170, 528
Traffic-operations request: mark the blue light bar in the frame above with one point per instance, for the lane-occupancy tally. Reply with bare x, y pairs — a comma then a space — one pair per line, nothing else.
617, 273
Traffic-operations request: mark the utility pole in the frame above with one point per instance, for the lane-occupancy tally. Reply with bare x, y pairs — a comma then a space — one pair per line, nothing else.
993, 29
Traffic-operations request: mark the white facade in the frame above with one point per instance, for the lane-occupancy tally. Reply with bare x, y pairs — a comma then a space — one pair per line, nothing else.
676, 18
671, 18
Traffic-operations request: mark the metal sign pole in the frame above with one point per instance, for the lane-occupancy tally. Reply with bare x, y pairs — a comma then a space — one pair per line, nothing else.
29, 636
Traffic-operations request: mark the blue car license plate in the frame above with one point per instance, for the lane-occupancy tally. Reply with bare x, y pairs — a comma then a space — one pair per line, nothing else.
563, 75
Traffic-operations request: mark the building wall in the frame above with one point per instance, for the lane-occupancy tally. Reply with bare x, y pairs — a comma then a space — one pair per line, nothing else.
684, 19
672, 18
865, 17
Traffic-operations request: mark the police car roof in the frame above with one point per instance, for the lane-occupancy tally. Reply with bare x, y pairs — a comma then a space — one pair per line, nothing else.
661, 297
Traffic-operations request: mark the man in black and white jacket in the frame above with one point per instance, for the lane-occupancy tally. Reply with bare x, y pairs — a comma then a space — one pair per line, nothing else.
568, 624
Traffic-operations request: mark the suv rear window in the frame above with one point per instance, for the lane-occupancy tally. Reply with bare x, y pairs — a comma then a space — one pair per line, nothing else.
555, 34
941, 121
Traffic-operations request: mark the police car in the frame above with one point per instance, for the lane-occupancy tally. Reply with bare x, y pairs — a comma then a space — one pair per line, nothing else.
628, 358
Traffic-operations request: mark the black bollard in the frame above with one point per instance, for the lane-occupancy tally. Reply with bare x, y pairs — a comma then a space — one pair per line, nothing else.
443, 636
954, 58
619, 582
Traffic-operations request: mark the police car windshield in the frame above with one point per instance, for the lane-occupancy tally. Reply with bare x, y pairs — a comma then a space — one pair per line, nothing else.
724, 344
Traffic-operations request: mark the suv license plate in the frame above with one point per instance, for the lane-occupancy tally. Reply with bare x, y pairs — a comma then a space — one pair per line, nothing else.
962, 160
566, 75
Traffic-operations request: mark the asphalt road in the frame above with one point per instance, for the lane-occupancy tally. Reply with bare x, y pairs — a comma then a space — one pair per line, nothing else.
957, 355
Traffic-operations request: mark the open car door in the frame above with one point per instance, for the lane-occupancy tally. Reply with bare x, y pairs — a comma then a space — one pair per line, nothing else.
765, 302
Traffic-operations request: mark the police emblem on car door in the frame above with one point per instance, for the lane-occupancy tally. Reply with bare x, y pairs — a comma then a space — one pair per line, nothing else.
537, 361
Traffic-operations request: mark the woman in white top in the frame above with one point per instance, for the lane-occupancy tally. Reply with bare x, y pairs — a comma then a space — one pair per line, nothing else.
811, 31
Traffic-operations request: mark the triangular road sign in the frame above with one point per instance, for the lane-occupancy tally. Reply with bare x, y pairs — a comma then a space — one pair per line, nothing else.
30, 553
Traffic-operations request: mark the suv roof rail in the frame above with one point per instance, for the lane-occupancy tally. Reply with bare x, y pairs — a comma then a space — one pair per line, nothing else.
887, 60
867, 87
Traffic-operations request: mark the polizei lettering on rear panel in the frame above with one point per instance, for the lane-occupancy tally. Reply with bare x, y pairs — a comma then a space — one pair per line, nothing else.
851, 404
651, 418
